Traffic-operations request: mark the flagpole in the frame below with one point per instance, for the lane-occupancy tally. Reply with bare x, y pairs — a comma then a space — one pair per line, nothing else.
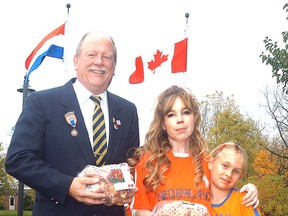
26, 91
186, 35
68, 6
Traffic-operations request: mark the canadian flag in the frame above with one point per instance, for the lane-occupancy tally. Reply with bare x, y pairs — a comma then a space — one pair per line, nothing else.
178, 62
138, 75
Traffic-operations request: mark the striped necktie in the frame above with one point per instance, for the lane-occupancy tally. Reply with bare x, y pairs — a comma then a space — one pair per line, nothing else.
99, 133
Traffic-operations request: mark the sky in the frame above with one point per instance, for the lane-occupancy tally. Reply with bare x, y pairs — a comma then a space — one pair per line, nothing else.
225, 40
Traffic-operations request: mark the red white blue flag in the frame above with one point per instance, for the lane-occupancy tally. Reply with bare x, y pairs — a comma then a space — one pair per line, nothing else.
54, 51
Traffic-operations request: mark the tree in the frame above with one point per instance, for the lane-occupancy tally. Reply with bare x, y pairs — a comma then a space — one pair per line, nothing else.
273, 194
7, 183
268, 163
277, 108
214, 104
223, 122
278, 58
265, 163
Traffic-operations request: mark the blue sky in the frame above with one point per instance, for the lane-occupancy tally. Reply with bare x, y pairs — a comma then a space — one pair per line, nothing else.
225, 41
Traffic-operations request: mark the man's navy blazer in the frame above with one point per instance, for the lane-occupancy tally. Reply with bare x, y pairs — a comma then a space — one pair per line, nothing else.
45, 156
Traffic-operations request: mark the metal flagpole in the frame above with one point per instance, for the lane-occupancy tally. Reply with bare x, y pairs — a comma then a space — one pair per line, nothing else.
186, 35
25, 90
68, 6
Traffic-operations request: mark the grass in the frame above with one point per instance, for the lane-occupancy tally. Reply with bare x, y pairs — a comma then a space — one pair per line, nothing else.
14, 213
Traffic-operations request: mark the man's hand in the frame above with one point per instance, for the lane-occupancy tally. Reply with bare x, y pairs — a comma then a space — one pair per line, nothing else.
251, 198
78, 191
123, 197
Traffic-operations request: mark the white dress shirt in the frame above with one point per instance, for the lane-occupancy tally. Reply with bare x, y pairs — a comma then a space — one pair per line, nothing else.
87, 108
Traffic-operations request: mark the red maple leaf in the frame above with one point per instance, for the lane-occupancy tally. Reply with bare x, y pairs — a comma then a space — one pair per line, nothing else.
158, 60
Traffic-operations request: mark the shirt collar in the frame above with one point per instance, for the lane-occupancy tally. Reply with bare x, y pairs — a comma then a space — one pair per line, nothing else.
83, 95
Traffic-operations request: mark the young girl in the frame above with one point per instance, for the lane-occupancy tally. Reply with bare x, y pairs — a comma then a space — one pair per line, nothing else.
228, 165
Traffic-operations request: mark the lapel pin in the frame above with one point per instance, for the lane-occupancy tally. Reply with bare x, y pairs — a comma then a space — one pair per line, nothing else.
116, 123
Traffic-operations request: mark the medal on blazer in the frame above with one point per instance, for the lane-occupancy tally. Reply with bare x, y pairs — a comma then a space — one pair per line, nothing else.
72, 120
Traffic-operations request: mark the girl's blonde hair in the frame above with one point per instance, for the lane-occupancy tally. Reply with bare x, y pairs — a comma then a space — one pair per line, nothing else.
231, 147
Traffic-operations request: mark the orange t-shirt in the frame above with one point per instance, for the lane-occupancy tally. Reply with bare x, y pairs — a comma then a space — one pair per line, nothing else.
232, 206
179, 184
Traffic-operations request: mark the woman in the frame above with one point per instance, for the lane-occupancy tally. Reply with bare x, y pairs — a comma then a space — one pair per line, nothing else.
172, 164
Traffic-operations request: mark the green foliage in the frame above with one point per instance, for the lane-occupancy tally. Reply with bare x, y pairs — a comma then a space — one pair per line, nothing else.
277, 58
222, 122
226, 123
211, 107
6, 181
14, 213
28, 202
232, 126
273, 194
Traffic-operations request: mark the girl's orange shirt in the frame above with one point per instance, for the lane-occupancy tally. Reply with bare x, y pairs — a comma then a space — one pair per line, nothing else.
232, 205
